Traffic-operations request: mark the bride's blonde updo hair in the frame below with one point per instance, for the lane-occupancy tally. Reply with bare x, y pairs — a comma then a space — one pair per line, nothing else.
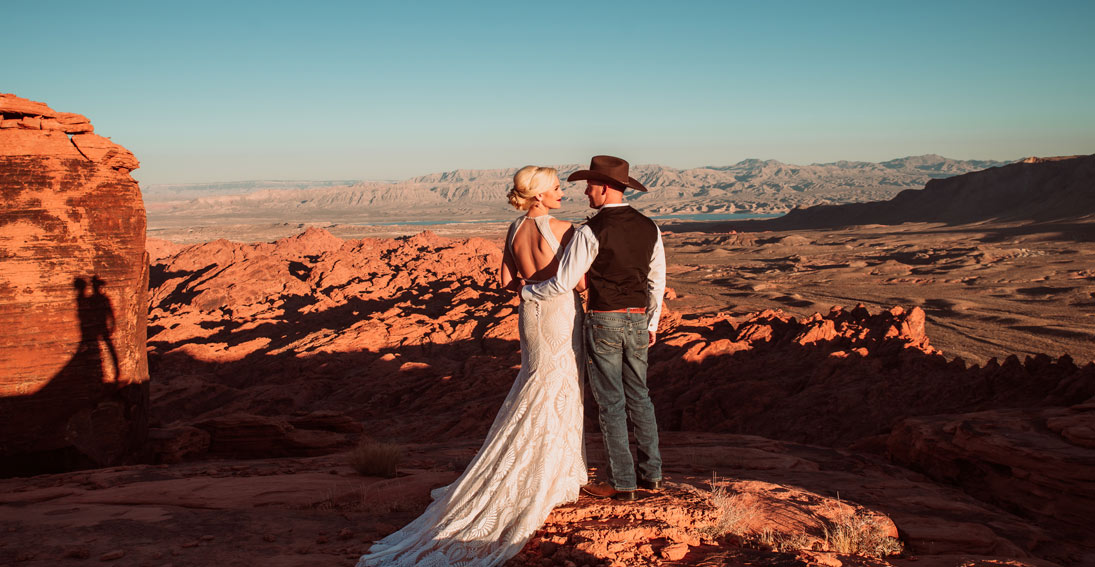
529, 182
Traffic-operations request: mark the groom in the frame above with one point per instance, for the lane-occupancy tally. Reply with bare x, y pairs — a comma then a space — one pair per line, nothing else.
622, 252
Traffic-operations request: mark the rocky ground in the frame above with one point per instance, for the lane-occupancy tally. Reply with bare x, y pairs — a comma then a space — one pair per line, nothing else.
988, 289
270, 361
312, 511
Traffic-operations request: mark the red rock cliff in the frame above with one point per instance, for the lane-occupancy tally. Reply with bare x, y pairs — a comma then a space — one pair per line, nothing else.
73, 293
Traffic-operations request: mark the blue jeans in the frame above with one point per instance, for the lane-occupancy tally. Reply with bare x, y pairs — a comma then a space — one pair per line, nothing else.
616, 345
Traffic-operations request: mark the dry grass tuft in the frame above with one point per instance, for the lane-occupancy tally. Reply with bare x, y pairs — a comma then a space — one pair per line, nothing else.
735, 511
854, 534
374, 458
783, 543
361, 498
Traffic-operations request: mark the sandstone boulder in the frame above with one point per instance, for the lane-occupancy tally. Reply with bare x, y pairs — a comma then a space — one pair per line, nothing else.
73, 289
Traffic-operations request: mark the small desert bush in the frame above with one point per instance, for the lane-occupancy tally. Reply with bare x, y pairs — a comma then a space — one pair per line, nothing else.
735, 511
854, 534
374, 458
363, 497
783, 543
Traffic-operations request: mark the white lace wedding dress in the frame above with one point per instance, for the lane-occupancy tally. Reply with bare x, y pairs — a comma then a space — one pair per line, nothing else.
532, 459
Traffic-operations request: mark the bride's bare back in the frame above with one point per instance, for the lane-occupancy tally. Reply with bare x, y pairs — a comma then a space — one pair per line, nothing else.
530, 256
533, 254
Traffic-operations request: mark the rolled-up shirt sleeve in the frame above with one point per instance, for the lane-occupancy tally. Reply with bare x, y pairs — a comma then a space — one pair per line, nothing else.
655, 285
576, 260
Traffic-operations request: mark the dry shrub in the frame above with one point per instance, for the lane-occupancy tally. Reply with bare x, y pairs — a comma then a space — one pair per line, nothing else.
374, 458
783, 543
362, 498
735, 511
854, 534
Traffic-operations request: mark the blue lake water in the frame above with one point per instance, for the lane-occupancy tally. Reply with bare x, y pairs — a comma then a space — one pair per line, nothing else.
685, 217
427, 222
715, 216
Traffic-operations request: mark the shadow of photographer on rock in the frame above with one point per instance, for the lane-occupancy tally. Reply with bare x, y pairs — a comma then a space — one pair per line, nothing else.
96, 323
83, 415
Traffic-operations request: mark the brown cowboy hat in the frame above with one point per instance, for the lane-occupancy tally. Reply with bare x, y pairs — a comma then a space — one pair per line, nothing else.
609, 170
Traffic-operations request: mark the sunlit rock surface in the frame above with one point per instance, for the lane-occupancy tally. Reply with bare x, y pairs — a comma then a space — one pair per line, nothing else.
73, 294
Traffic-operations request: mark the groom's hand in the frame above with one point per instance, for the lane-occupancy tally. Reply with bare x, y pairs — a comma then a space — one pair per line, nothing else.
653, 338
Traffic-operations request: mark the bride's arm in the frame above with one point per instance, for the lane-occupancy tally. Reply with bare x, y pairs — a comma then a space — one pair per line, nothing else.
507, 276
563, 244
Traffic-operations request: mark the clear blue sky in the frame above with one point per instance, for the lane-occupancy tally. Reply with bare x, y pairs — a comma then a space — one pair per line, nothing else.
204, 91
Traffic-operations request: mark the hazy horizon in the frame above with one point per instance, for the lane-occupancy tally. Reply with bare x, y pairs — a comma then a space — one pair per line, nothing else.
705, 166
218, 92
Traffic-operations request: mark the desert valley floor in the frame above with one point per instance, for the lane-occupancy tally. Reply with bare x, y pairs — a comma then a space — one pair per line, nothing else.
989, 289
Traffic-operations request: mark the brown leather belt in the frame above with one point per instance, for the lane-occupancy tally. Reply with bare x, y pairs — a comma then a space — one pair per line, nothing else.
624, 310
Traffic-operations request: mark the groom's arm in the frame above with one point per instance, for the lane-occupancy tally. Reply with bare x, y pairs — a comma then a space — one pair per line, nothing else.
655, 286
577, 258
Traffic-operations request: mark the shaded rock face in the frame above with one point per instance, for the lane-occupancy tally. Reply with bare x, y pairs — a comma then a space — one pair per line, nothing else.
1038, 463
73, 289
1039, 189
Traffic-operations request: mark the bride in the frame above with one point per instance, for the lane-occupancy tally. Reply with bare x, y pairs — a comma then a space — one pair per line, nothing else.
533, 457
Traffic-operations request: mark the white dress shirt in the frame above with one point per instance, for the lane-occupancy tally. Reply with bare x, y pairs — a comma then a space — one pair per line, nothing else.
578, 257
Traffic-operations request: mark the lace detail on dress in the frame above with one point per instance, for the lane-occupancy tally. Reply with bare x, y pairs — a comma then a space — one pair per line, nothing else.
532, 459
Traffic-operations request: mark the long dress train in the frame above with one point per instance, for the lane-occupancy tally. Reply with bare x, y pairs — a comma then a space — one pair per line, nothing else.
531, 461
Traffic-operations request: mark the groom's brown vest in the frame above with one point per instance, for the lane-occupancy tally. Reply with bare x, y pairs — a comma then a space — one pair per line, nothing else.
625, 243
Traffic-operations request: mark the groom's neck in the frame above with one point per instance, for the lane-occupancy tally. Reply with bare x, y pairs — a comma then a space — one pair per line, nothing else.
613, 198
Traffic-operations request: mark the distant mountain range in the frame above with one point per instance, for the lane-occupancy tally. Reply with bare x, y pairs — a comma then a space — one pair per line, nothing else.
1035, 189
750, 186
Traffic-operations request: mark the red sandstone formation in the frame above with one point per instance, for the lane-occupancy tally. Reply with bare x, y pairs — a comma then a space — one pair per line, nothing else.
282, 348
73, 281
362, 327
313, 323
838, 379
158, 248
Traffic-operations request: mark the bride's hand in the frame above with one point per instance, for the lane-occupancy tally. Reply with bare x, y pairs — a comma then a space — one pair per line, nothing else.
582, 284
